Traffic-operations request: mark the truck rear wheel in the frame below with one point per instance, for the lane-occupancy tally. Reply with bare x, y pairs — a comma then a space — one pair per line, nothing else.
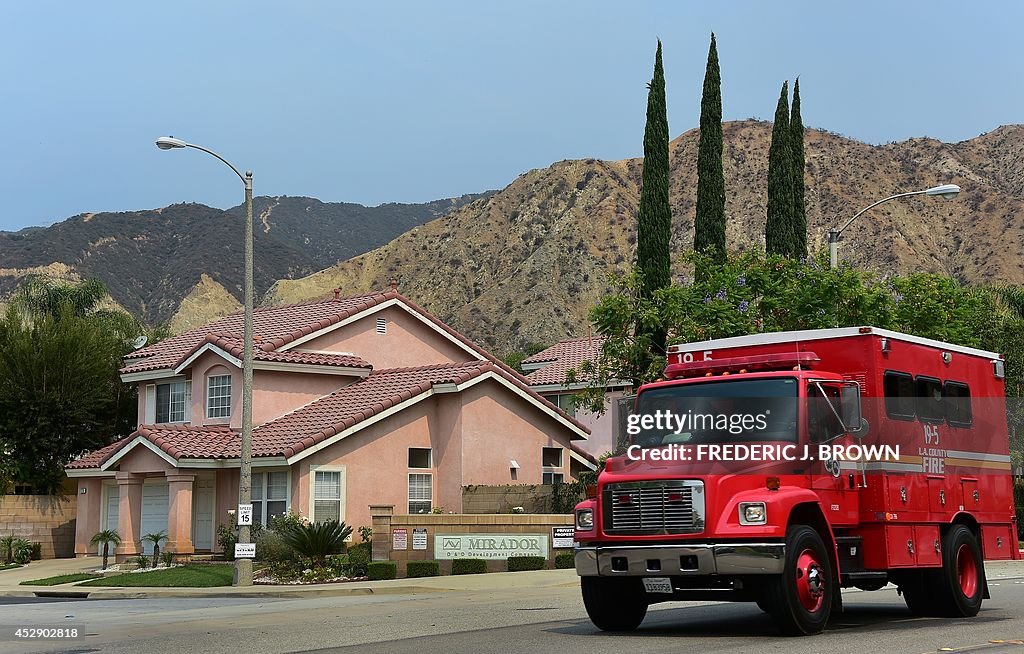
800, 599
959, 585
614, 604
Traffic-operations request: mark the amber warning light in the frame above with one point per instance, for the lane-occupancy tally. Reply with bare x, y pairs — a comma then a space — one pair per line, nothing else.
754, 363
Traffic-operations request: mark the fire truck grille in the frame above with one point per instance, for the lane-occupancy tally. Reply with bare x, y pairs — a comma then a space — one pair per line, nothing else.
654, 507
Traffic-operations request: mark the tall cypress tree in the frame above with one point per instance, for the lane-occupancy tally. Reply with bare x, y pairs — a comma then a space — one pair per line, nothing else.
654, 220
778, 231
709, 226
796, 144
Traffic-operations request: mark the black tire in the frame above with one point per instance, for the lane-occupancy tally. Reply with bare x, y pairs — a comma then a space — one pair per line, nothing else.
915, 587
614, 604
800, 599
957, 588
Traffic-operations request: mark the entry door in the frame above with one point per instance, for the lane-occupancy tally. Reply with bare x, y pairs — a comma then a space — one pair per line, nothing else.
113, 498
154, 512
202, 513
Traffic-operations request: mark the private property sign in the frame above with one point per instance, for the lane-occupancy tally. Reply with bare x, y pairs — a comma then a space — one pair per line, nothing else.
489, 546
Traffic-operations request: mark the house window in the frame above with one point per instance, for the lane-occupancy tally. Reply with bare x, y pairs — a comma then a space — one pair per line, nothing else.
419, 457
421, 493
382, 326
269, 496
326, 495
551, 462
218, 396
172, 401
566, 402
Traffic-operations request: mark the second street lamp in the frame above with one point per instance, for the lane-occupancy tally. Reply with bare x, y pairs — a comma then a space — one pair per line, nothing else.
243, 566
947, 191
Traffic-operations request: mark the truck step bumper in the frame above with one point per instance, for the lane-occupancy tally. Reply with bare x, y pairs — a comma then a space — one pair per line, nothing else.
671, 560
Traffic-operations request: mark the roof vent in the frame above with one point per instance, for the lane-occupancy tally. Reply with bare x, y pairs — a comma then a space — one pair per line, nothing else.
382, 326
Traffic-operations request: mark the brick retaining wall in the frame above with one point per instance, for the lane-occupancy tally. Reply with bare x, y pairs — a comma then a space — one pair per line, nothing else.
48, 520
534, 498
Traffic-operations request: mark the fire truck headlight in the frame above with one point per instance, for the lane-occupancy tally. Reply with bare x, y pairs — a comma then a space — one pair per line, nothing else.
585, 519
753, 513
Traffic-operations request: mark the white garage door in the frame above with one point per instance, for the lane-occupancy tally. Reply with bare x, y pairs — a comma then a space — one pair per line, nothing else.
154, 511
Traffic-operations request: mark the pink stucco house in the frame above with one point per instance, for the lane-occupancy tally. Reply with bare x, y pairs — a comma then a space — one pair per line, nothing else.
357, 401
546, 372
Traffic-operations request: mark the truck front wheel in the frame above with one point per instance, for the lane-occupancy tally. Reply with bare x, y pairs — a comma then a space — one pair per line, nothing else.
800, 599
614, 604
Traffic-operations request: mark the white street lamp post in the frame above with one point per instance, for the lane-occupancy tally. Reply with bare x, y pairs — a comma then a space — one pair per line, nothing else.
947, 191
243, 566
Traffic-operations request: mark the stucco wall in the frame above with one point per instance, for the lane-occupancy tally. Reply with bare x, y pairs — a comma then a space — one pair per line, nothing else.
602, 426
44, 519
408, 342
277, 393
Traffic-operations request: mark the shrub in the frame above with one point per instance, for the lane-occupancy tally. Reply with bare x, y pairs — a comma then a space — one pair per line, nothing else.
318, 540
520, 563
167, 558
358, 559
22, 551
283, 523
469, 566
7, 549
565, 560
37, 551
378, 570
422, 569
271, 548
141, 560
226, 538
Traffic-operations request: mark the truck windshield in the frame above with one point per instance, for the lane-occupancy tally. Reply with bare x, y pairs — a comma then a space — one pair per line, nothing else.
716, 412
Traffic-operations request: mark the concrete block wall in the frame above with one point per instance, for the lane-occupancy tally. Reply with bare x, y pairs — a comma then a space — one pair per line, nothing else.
45, 519
534, 498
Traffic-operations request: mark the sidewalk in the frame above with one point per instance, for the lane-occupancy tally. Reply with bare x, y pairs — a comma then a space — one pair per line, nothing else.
496, 581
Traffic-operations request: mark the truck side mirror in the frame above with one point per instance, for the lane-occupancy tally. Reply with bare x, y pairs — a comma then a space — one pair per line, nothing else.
853, 420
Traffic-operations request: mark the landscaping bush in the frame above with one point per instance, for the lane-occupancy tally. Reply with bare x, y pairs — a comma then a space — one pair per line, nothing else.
318, 540
22, 551
226, 538
565, 560
378, 570
358, 559
422, 569
7, 549
520, 563
37, 551
271, 548
469, 566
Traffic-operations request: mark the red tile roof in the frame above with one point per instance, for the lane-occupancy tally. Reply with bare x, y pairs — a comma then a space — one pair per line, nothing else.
317, 421
562, 357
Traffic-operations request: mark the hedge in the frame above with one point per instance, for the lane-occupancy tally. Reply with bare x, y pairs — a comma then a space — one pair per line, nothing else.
565, 560
520, 563
422, 569
382, 570
469, 566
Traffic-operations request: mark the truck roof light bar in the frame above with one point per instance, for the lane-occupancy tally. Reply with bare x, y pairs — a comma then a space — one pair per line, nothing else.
754, 363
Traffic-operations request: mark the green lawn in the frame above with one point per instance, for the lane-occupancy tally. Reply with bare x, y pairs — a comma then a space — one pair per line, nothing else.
188, 576
60, 579
9, 566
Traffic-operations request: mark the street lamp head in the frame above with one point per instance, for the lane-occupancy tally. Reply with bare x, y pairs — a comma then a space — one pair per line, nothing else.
947, 191
169, 143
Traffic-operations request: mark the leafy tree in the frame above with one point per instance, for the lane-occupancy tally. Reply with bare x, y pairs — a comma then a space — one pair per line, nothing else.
778, 231
60, 393
515, 359
106, 538
796, 144
709, 226
654, 220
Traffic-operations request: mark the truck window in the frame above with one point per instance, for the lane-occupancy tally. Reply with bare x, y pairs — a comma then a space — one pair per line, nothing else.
957, 399
899, 395
822, 422
930, 405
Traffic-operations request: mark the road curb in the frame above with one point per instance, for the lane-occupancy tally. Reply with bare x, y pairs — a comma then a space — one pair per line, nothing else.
81, 592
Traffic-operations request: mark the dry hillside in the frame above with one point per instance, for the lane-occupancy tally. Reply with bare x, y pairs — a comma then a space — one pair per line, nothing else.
528, 262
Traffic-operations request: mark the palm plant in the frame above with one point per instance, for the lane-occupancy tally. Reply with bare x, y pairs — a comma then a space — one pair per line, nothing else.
22, 551
316, 541
106, 538
156, 540
7, 548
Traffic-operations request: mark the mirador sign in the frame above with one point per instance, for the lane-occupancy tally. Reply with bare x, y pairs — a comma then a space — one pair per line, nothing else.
489, 546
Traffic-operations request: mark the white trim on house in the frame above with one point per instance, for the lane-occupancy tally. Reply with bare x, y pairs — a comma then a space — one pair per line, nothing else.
138, 440
257, 462
88, 472
582, 459
281, 366
161, 375
537, 365
773, 338
209, 347
343, 493
374, 309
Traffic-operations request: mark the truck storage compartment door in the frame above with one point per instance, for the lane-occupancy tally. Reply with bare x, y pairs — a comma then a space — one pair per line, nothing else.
900, 546
971, 500
996, 542
927, 545
940, 496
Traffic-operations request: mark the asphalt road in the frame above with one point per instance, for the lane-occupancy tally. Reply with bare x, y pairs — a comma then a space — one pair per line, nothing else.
523, 620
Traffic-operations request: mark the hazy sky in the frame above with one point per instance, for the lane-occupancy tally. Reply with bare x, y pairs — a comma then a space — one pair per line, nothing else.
376, 102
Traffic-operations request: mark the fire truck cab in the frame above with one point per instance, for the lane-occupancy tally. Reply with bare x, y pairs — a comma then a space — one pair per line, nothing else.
878, 457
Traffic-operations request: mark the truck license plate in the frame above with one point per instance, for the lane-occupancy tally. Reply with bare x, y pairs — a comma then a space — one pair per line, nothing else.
658, 585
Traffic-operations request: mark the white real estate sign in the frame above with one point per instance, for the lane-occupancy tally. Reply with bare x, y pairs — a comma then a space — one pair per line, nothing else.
245, 550
489, 546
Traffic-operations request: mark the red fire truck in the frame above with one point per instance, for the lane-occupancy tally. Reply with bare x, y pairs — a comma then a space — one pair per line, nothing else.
689, 513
